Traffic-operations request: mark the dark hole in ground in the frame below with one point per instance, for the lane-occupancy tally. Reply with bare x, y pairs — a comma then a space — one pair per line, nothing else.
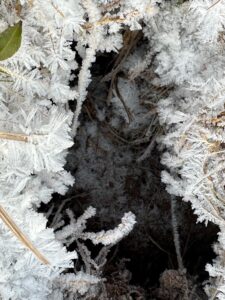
149, 249
109, 177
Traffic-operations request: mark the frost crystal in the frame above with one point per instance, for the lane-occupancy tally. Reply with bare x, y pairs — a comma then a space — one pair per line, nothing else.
35, 133
189, 47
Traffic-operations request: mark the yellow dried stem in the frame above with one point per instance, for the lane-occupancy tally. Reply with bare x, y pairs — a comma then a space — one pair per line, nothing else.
213, 4
58, 10
6, 218
13, 136
6, 71
108, 20
19, 234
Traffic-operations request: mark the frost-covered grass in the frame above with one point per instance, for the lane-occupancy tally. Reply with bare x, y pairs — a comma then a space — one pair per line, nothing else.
57, 44
37, 129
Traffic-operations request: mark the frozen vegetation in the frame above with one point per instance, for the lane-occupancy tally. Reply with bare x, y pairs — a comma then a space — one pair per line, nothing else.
90, 91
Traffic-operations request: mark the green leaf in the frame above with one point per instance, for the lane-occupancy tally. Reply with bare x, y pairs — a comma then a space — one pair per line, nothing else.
10, 41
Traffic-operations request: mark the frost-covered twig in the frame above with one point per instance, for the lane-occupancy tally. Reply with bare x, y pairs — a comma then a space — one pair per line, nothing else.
113, 236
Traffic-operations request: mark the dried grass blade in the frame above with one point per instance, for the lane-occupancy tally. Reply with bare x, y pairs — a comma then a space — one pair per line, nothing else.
13, 136
18, 233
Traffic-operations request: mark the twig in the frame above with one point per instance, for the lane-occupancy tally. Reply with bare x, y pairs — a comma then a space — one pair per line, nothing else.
157, 245
6, 71
18, 233
119, 95
14, 136
57, 214
58, 10
176, 237
130, 39
213, 4
108, 20
113, 132
148, 150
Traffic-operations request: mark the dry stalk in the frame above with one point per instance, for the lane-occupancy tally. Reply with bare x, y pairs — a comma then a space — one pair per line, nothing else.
13, 136
58, 10
213, 4
4, 215
120, 96
108, 20
19, 234
176, 236
130, 39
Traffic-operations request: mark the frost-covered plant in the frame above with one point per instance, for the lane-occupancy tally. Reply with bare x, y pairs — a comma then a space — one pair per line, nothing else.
87, 281
188, 42
35, 131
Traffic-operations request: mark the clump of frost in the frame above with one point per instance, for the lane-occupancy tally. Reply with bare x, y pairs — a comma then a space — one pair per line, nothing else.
188, 44
37, 128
